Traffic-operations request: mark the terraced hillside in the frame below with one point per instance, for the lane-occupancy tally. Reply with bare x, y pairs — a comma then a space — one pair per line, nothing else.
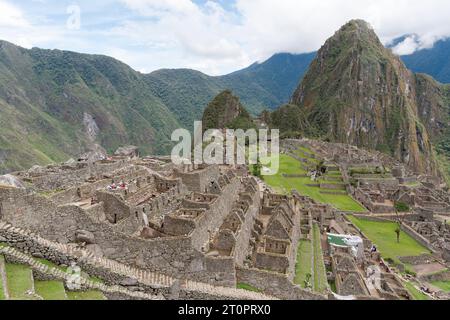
21, 282
293, 175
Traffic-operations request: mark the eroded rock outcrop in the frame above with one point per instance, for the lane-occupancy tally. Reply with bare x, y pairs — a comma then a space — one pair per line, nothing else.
358, 92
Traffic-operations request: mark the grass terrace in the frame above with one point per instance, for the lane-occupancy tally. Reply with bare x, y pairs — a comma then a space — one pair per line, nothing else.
21, 284
20, 281
50, 290
85, 295
303, 267
320, 275
305, 186
414, 292
443, 285
2, 289
247, 287
384, 236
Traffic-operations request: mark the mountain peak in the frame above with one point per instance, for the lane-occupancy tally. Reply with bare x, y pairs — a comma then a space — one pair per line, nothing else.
226, 111
357, 92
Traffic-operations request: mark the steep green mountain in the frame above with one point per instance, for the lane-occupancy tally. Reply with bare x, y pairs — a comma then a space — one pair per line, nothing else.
226, 111
261, 86
56, 104
357, 92
434, 61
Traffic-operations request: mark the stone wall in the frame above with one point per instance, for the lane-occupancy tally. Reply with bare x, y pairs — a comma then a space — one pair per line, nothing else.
171, 255
241, 249
214, 217
199, 180
68, 178
275, 284
413, 234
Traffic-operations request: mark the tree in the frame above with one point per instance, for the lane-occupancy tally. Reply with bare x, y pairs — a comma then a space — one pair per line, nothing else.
256, 169
401, 207
398, 231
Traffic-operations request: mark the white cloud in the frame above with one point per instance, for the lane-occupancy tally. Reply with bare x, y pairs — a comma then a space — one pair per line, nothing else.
11, 16
151, 34
210, 37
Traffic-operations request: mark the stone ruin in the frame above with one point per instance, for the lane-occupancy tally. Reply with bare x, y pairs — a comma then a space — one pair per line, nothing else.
194, 224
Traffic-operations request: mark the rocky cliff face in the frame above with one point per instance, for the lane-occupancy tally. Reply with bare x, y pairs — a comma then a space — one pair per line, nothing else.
358, 92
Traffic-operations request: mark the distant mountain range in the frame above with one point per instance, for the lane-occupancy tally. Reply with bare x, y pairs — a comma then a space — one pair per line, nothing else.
57, 104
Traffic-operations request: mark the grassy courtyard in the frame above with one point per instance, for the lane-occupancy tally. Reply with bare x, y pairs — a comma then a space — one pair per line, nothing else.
289, 166
384, 236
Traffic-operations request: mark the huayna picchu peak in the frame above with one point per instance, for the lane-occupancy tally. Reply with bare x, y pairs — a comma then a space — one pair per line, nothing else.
358, 92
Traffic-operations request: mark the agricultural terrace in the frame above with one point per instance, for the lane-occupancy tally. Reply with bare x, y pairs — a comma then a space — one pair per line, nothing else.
383, 235
282, 184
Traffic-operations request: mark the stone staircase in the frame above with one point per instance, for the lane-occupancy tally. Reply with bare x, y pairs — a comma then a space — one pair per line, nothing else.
57, 273
144, 277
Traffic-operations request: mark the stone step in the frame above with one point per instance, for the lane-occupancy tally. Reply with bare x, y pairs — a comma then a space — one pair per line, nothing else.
160, 279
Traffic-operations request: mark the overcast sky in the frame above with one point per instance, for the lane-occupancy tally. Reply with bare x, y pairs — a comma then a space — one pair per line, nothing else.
215, 37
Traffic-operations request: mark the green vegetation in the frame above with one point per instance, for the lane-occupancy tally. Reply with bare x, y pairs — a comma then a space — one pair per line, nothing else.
384, 236
414, 292
247, 287
402, 207
443, 285
20, 281
226, 111
50, 264
320, 275
50, 290
85, 295
303, 267
289, 165
2, 288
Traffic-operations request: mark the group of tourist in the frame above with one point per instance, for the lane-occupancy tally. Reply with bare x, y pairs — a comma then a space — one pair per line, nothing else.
121, 186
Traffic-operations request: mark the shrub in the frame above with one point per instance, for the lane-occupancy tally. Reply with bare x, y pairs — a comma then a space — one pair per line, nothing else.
401, 207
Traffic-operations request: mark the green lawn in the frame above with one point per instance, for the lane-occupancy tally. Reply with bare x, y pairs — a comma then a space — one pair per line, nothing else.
384, 236
85, 295
289, 165
416, 294
50, 290
320, 275
247, 287
443, 285
20, 281
303, 266
2, 293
